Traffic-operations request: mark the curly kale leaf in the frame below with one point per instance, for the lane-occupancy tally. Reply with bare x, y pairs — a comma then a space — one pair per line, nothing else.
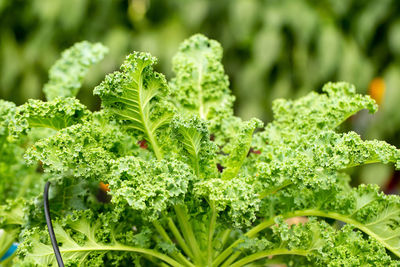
87, 240
56, 114
234, 199
136, 97
66, 75
7, 113
374, 213
239, 148
321, 111
17, 179
319, 244
201, 86
12, 213
350, 247
83, 150
194, 140
9, 152
298, 171
149, 187
301, 146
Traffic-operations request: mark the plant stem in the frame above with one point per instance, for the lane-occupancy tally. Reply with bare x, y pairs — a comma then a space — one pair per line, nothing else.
179, 238
346, 219
231, 259
210, 234
188, 233
264, 254
224, 238
164, 235
251, 233
371, 161
145, 251
308, 212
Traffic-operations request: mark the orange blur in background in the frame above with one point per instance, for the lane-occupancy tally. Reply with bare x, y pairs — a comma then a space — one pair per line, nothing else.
377, 89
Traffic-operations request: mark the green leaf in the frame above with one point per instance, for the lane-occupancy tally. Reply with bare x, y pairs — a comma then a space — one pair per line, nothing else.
320, 111
234, 199
194, 139
201, 86
56, 114
350, 247
300, 146
66, 75
318, 243
239, 148
12, 213
374, 213
16, 179
83, 150
7, 113
80, 244
149, 187
136, 97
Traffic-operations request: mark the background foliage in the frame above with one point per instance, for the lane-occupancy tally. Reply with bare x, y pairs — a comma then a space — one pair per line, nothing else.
272, 48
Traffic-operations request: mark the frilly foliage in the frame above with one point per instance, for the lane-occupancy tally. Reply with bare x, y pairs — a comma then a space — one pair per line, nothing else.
149, 187
7, 113
56, 114
301, 146
66, 75
136, 97
80, 235
201, 86
194, 141
166, 174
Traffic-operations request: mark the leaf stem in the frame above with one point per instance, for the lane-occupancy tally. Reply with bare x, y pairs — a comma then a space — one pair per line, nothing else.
145, 251
267, 253
188, 233
165, 236
224, 238
308, 212
370, 161
211, 234
251, 233
179, 238
343, 218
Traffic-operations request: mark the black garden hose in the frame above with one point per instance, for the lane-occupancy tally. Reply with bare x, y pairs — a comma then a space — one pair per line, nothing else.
50, 226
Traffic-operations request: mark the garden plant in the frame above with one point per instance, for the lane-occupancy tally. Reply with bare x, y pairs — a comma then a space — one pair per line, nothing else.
165, 174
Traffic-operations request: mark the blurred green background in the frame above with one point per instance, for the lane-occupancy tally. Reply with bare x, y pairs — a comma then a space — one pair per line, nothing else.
273, 49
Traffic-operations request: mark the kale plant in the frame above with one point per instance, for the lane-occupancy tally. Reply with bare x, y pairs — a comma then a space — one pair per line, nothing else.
165, 174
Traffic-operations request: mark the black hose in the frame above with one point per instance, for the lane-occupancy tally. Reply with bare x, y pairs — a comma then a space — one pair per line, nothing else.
50, 225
